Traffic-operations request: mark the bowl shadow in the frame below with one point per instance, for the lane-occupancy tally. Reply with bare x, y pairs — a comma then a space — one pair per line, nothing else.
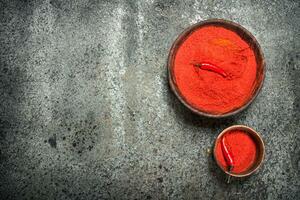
221, 177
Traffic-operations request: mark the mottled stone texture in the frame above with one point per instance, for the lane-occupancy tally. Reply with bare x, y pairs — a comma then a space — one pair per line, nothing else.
86, 111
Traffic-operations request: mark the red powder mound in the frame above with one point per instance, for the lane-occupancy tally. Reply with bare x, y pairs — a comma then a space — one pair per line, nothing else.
207, 90
243, 149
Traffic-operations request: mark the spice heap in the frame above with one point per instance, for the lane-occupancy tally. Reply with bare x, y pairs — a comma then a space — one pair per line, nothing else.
242, 148
215, 69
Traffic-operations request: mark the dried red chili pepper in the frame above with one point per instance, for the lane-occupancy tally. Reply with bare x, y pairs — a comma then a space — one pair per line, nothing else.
211, 67
228, 156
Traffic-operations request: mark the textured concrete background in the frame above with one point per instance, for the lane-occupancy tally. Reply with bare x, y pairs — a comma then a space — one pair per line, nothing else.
86, 111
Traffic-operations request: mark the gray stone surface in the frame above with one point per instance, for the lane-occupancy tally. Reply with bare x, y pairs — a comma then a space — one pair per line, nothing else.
86, 111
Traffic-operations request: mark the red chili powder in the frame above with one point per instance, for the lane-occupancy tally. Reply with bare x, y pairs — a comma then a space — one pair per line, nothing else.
243, 149
208, 90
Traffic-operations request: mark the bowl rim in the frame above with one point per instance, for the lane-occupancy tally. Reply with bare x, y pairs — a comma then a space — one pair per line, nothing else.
175, 46
250, 131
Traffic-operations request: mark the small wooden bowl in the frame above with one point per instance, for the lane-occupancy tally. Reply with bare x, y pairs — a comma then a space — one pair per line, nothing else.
244, 34
260, 149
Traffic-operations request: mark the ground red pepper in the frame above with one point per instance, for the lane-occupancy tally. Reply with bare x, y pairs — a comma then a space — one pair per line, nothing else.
243, 149
215, 69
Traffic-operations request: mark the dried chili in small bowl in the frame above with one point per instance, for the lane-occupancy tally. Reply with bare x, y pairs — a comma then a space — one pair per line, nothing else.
239, 151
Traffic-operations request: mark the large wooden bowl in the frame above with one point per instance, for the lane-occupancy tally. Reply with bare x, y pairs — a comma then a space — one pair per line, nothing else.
245, 35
